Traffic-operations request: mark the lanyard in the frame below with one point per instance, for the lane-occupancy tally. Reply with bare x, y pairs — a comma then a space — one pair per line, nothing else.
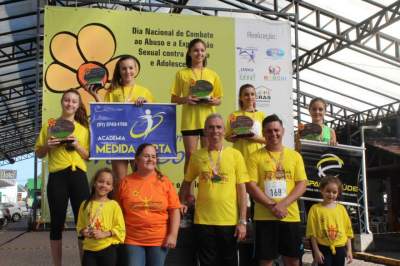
93, 217
195, 76
130, 95
278, 163
215, 166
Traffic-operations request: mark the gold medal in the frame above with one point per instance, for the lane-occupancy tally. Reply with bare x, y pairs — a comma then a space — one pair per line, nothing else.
215, 177
279, 170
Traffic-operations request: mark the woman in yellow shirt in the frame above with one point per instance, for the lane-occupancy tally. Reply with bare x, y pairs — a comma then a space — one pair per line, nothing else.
67, 167
100, 222
195, 110
125, 89
247, 103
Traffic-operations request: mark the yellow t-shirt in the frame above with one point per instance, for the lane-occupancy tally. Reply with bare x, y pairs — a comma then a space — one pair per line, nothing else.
330, 226
246, 147
262, 170
216, 202
59, 157
128, 94
105, 216
194, 116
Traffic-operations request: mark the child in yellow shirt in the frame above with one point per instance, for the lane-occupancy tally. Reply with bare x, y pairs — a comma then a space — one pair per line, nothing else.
329, 226
101, 223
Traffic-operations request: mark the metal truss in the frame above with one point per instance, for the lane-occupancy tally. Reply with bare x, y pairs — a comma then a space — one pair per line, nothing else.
17, 51
333, 25
352, 35
367, 116
360, 200
334, 110
18, 158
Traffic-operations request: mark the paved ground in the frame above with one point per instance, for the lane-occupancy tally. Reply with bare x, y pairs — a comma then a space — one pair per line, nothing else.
20, 248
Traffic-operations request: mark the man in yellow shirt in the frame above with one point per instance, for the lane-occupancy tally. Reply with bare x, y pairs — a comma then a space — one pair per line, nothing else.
220, 214
277, 180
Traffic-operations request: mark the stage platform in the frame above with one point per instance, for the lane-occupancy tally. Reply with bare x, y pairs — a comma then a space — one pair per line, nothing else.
19, 248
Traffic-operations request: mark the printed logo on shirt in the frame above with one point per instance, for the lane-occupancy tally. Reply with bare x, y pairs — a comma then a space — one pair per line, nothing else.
207, 176
145, 203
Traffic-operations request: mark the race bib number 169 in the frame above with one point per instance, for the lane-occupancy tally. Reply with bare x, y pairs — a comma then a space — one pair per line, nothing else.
275, 189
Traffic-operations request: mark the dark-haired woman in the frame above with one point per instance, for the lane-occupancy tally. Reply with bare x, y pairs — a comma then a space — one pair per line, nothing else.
125, 90
67, 167
194, 111
151, 211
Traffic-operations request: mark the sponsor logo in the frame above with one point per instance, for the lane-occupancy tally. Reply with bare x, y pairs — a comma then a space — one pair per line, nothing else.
275, 53
149, 122
274, 74
327, 162
263, 96
247, 53
247, 74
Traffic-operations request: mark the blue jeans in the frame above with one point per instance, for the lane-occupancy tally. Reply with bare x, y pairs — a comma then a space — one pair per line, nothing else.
145, 256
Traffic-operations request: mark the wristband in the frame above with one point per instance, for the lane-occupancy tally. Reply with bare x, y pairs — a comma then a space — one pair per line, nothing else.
242, 221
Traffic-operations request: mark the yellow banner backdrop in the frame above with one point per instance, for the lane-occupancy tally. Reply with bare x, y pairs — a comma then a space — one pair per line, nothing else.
77, 37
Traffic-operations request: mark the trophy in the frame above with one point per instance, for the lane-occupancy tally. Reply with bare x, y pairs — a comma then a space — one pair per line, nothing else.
311, 131
93, 76
61, 129
202, 90
242, 126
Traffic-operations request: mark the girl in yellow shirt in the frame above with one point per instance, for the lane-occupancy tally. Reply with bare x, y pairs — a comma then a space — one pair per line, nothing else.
329, 226
247, 104
100, 222
124, 89
67, 167
195, 111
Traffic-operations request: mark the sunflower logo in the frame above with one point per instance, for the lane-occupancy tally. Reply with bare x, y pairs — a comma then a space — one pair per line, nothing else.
80, 59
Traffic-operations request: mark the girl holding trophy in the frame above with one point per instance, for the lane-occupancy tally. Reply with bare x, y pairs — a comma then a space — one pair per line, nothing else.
199, 90
66, 142
243, 127
125, 89
317, 130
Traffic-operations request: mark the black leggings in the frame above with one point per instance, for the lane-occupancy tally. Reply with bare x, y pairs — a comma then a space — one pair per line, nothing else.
333, 260
104, 257
63, 185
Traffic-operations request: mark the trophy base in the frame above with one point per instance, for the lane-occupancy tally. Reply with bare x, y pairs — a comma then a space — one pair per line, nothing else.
204, 100
247, 135
66, 141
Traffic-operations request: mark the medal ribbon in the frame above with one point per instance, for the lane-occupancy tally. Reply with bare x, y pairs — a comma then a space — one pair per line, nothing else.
129, 95
93, 216
195, 76
278, 163
215, 166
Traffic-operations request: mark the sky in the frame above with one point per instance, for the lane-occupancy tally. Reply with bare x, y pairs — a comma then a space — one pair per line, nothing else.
24, 169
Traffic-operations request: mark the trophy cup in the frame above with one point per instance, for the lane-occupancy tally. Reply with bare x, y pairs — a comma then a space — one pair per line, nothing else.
61, 129
241, 126
311, 131
202, 90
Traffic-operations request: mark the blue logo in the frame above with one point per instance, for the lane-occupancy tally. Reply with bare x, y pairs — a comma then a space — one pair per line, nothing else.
148, 122
248, 53
275, 53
